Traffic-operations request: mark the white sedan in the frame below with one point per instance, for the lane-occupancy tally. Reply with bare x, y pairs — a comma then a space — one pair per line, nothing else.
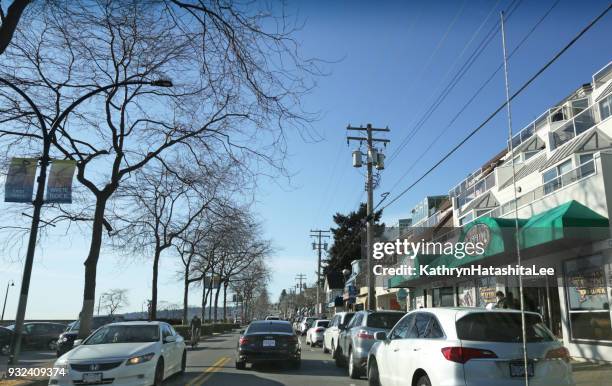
314, 335
468, 346
123, 354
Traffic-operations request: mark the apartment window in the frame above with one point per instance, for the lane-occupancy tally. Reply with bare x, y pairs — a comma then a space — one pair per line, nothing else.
466, 219
529, 154
587, 294
605, 107
587, 165
551, 182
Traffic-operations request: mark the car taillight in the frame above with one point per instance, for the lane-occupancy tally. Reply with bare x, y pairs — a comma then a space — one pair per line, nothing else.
559, 353
319, 329
243, 341
464, 354
364, 334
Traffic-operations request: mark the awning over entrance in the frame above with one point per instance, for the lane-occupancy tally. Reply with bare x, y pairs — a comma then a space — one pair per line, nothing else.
571, 220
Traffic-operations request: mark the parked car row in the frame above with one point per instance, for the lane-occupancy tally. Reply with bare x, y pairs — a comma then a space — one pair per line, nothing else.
445, 346
36, 335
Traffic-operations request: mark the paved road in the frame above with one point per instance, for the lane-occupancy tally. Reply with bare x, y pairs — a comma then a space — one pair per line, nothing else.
212, 363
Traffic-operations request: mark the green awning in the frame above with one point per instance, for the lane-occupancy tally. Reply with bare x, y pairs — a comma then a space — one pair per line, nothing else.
571, 220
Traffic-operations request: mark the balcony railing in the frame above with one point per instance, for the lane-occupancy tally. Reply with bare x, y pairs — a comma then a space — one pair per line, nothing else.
582, 171
466, 195
580, 123
551, 115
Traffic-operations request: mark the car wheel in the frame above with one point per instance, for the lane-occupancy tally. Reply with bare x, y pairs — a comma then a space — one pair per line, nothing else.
373, 379
338, 357
52, 345
353, 370
423, 381
240, 365
5, 349
159, 373
183, 363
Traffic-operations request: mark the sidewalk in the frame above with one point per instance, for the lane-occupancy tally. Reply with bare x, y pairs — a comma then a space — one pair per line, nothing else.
592, 374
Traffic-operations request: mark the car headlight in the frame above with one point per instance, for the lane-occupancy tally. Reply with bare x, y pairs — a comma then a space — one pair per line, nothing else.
140, 359
61, 365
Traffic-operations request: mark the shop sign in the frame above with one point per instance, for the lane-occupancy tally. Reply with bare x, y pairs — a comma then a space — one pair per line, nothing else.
479, 234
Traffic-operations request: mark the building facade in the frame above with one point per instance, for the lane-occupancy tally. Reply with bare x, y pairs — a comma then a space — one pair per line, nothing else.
553, 187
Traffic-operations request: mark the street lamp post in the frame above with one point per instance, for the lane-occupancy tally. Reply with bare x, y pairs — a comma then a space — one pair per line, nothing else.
8, 285
48, 133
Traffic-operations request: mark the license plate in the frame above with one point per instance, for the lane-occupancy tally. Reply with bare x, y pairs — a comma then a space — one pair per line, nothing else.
517, 369
269, 343
92, 377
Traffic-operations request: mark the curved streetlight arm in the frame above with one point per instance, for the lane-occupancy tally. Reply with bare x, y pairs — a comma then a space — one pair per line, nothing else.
73, 105
30, 102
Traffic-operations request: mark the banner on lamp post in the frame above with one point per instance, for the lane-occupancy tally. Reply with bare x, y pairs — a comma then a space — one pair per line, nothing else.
59, 188
19, 184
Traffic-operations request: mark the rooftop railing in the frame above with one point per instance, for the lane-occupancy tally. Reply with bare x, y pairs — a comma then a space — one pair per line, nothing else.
603, 75
584, 170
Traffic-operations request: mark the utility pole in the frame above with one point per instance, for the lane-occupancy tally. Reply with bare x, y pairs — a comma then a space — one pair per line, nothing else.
300, 277
374, 159
318, 245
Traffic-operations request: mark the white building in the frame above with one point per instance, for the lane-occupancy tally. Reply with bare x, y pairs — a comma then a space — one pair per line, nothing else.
563, 189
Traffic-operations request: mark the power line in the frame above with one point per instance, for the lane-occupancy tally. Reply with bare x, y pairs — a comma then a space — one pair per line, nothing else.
457, 77
473, 97
492, 115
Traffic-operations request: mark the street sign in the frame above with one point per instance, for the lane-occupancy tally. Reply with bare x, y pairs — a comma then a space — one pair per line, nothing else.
59, 188
19, 184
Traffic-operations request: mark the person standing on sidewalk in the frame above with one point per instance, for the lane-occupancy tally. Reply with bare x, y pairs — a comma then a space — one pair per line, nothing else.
196, 325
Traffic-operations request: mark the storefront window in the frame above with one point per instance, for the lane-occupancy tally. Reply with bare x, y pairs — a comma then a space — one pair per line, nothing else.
485, 291
588, 298
466, 294
443, 297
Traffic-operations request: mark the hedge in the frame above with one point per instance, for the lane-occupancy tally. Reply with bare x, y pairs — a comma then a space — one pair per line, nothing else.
207, 329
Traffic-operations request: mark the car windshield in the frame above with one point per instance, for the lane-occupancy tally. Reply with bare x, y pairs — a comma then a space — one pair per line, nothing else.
383, 320
95, 324
502, 327
124, 334
269, 327
323, 323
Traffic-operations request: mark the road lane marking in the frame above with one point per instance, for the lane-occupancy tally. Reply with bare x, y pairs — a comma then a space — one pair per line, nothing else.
209, 374
214, 367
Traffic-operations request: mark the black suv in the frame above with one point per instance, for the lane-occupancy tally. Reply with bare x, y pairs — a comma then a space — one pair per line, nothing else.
40, 334
66, 339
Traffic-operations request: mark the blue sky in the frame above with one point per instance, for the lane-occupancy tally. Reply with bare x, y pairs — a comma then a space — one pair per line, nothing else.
388, 62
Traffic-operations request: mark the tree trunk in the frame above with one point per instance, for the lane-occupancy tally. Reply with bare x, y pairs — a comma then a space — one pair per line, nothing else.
217, 299
153, 314
225, 284
210, 292
204, 295
91, 264
185, 297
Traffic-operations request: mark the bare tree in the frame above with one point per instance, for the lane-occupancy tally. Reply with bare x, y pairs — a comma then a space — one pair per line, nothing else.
114, 300
236, 91
10, 19
161, 204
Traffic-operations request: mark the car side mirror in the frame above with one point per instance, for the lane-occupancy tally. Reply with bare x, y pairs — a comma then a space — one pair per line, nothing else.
170, 339
77, 342
380, 335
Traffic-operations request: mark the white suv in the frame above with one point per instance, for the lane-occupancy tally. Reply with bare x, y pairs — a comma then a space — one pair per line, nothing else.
468, 346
